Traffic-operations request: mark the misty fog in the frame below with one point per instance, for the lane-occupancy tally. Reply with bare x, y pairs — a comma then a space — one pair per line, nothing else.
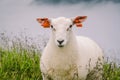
102, 25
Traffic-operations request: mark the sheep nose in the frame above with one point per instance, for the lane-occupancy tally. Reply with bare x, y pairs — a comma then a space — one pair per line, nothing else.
60, 42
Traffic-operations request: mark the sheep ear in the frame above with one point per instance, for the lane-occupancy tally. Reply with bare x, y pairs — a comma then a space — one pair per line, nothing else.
78, 20
45, 22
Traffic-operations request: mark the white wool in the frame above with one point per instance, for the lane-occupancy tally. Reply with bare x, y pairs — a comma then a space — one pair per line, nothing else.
72, 61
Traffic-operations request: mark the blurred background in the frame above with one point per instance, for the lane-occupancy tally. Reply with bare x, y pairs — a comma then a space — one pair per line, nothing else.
103, 24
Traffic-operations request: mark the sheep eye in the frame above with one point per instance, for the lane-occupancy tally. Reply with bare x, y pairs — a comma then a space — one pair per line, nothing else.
53, 28
69, 27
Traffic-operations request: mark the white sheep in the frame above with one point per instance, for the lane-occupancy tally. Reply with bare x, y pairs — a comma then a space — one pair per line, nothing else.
66, 56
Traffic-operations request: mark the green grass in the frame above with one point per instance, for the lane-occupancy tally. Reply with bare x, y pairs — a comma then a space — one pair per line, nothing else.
111, 71
22, 65
21, 62
19, 65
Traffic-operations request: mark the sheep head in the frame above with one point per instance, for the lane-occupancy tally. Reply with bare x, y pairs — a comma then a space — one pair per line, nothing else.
61, 27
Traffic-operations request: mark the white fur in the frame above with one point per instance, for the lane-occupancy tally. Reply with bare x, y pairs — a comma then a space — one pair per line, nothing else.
70, 62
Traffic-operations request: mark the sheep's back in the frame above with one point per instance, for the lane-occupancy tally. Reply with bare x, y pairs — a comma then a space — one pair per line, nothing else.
90, 53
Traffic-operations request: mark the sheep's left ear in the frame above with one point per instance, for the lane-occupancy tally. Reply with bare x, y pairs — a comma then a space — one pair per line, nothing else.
78, 20
45, 22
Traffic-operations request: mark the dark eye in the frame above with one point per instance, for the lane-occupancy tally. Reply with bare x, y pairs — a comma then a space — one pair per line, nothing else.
53, 28
69, 27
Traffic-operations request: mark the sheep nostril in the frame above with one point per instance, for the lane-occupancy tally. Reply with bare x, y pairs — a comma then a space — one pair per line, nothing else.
60, 42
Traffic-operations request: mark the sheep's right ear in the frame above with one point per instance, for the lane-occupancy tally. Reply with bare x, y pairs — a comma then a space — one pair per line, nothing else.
45, 22
78, 20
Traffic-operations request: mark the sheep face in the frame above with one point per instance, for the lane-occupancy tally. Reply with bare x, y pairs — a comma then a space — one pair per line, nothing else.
61, 28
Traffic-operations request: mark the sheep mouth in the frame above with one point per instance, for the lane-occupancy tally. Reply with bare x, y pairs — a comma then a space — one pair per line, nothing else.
60, 45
